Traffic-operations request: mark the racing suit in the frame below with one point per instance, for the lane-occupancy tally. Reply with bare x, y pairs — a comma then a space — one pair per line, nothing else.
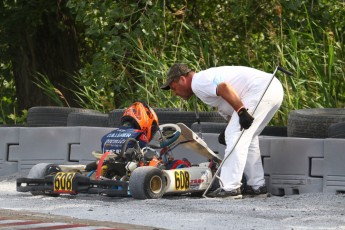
113, 141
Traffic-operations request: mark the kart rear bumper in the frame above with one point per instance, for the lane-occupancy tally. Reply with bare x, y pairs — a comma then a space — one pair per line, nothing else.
79, 184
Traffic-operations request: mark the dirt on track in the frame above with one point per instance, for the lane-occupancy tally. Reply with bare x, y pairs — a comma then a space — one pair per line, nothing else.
305, 211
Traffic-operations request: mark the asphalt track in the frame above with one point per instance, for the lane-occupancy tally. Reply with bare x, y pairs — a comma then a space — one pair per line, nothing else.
304, 211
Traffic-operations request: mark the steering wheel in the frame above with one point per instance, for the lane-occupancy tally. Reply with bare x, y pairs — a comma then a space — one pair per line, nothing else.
169, 134
124, 146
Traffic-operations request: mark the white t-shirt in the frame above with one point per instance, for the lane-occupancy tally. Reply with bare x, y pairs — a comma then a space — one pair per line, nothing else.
241, 78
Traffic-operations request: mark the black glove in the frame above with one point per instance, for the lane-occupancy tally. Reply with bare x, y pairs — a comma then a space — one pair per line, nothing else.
246, 119
221, 138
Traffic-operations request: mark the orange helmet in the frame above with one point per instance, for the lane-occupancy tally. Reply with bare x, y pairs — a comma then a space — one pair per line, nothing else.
142, 117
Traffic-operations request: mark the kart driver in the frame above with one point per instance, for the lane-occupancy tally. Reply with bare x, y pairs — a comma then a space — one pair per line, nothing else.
139, 121
235, 91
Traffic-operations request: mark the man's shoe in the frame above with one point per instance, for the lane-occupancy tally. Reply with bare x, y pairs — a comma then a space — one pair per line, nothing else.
221, 193
260, 192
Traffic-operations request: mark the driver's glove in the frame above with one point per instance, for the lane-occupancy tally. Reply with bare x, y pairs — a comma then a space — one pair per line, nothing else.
246, 119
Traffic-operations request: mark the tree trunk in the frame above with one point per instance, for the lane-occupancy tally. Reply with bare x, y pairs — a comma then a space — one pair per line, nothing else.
49, 48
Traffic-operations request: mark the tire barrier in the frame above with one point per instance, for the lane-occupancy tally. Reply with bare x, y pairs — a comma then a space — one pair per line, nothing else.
216, 127
337, 130
115, 115
188, 117
292, 165
209, 127
313, 123
47, 116
87, 119
274, 131
211, 117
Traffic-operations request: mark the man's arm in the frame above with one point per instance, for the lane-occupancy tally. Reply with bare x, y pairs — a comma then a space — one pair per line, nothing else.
228, 93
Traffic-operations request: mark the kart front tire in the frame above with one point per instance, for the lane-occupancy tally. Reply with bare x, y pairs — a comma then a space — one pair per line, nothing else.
147, 183
40, 171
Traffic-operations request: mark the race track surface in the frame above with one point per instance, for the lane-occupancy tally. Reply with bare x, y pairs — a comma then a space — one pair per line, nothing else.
304, 211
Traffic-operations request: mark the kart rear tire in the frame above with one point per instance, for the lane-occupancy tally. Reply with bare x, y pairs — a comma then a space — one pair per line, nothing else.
147, 183
40, 171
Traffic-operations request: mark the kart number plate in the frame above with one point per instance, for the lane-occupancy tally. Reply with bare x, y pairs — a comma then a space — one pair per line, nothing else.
182, 180
63, 182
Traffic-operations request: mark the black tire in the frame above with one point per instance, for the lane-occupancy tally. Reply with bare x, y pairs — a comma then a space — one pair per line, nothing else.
116, 114
187, 117
12, 125
211, 117
174, 117
87, 119
41, 170
114, 118
166, 109
276, 131
43, 116
313, 123
209, 127
147, 183
215, 127
337, 130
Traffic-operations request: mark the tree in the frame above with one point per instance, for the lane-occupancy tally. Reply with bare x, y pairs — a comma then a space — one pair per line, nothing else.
41, 38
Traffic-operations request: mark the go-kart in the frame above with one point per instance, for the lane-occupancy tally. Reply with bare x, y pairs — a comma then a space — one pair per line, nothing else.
141, 173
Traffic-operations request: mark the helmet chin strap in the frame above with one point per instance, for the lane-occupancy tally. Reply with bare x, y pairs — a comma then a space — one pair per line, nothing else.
197, 116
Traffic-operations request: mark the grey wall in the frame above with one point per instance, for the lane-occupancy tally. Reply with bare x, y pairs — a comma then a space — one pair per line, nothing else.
292, 165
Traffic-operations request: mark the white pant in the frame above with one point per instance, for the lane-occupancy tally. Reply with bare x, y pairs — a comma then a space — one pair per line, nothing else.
246, 158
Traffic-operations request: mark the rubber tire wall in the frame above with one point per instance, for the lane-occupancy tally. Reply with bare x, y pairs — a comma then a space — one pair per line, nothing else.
87, 119
170, 115
209, 127
115, 115
45, 116
313, 123
337, 130
188, 118
215, 127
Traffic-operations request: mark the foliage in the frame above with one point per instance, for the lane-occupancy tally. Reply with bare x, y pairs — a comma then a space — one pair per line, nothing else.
7, 101
90, 95
127, 47
50, 90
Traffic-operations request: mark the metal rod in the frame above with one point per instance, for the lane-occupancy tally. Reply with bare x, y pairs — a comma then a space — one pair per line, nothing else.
197, 117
